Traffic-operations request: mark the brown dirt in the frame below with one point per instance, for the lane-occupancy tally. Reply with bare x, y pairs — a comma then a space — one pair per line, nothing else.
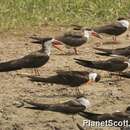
105, 96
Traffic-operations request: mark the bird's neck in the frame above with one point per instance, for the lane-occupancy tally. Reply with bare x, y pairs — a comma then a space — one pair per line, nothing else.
86, 34
84, 102
124, 23
46, 50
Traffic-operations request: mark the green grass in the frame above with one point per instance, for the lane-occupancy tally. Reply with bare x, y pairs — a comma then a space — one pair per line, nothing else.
29, 13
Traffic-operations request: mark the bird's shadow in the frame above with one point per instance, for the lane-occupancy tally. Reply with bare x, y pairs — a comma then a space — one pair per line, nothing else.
80, 127
65, 54
112, 81
60, 80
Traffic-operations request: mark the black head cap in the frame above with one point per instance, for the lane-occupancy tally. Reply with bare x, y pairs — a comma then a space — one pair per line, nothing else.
97, 78
88, 29
128, 109
80, 96
121, 18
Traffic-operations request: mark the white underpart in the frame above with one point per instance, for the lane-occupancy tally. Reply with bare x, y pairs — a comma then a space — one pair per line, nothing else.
48, 45
92, 76
117, 111
84, 102
128, 62
124, 23
114, 55
86, 34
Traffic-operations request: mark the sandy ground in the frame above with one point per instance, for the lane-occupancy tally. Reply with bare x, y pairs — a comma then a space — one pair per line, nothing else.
106, 96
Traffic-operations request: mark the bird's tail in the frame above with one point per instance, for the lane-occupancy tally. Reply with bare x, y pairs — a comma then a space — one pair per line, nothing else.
122, 74
102, 54
39, 40
37, 106
85, 63
89, 115
37, 78
10, 66
76, 27
80, 127
109, 51
51, 79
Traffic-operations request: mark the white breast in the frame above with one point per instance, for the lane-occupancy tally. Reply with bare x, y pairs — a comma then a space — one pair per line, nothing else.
124, 23
84, 102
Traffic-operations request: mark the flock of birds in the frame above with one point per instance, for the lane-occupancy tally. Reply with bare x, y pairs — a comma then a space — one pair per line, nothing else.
74, 39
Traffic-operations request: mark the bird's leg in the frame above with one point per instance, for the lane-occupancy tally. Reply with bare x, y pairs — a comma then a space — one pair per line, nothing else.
73, 118
75, 50
23, 74
78, 91
89, 82
110, 74
119, 76
36, 72
114, 38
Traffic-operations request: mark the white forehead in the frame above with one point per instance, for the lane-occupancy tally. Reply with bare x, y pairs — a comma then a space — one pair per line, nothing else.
124, 23
49, 42
128, 62
87, 33
84, 102
52, 40
94, 75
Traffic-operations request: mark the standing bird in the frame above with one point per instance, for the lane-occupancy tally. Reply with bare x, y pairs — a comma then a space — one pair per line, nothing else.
70, 107
76, 38
117, 64
115, 116
70, 78
33, 60
115, 29
125, 51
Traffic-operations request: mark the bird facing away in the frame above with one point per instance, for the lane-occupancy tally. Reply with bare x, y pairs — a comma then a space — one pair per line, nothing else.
117, 64
70, 107
33, 60
75, 38
115, 29
70, 78
115, 116
125, 51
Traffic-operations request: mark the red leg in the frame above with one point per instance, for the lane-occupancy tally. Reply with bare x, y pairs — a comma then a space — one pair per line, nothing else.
114, 38
36, 72
75, 50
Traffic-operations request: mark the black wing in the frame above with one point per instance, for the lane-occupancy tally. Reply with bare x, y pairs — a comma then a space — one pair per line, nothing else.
112, 29
72, 39
63, 108
29, 61
40, 40
124, 74
70, 78
109, 65
120, 51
